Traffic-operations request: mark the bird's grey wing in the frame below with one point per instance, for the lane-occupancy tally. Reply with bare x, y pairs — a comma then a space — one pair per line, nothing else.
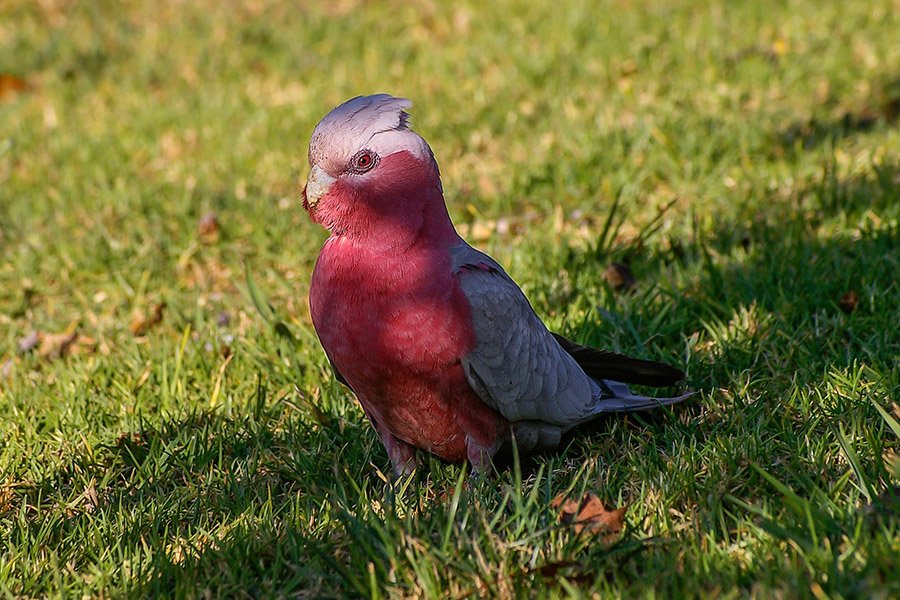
517, 367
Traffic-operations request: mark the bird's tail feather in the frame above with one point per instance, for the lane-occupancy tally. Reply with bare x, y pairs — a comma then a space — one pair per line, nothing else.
603, 365
623, 400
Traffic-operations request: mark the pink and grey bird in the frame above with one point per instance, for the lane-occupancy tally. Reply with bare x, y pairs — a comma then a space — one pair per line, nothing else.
438, 343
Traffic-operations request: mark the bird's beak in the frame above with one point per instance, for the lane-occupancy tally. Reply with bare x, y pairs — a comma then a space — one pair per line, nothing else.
316, 186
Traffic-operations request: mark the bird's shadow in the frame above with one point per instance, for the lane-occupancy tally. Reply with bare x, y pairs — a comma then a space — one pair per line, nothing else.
772, 305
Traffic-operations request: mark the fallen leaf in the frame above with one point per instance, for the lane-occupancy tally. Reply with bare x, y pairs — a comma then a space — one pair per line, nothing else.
208, 228
142, 322
589, 514
619, 276
57, 345
12, 85
552, 568
29, 342
849, 301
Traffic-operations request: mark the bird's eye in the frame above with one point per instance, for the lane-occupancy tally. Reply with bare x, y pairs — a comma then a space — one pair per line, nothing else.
363, 161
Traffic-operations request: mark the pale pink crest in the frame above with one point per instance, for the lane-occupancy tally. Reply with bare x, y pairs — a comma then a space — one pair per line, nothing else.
379, 123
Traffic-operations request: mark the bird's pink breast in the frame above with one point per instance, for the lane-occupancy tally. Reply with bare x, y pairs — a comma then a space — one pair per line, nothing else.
396, 327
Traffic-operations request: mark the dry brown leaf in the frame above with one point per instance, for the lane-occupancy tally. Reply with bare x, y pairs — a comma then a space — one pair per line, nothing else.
12, 85
57, 345
551, 569
141, 322
208, 228
571, 571
849, 301
619, 276
589, 514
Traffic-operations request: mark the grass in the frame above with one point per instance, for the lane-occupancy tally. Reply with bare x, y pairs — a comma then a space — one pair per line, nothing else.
754, 152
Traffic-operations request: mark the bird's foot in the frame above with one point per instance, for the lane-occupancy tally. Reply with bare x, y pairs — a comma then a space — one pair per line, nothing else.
402, 454
404, 466
480, 456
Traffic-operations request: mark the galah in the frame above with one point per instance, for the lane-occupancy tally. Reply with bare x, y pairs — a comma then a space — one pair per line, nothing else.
439, 344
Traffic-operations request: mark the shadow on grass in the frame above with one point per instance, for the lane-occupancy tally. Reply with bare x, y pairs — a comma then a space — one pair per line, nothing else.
275, 489
774, 307
784, 271
205, 497
790, 330
883, 107
788, 285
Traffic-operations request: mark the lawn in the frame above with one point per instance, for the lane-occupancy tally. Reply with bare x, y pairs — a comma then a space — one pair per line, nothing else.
170, 425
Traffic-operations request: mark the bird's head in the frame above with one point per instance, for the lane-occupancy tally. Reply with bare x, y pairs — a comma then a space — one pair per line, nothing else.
370, 174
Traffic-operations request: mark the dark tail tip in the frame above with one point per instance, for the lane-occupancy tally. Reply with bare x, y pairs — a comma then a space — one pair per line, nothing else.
600, 364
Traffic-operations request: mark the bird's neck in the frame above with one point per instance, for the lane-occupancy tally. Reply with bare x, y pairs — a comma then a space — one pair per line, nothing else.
396, 251
385, 241
401, 211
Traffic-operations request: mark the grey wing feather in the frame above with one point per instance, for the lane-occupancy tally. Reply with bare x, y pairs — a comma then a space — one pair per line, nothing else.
517, 367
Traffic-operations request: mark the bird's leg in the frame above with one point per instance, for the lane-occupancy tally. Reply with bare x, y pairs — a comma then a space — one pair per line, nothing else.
402, 454
480, 456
